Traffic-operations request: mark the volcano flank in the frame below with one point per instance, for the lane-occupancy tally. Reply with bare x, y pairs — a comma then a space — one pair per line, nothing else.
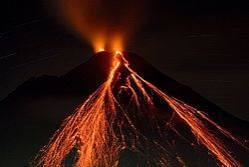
118, 113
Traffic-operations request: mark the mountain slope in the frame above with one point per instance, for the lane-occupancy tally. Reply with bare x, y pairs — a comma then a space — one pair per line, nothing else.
36, 108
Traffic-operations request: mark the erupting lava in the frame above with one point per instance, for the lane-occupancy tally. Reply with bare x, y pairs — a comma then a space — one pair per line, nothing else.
107, 128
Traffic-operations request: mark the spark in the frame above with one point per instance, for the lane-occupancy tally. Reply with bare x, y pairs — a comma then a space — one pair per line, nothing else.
18, 26
9, 55
106, 125
33, 61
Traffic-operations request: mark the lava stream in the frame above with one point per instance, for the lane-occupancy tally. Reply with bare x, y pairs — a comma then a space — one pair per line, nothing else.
105, 126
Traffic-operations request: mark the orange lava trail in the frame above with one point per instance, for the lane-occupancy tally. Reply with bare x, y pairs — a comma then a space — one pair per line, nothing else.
102, 128
190, 116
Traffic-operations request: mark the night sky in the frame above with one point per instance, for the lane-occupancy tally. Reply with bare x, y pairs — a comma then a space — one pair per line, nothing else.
203, 44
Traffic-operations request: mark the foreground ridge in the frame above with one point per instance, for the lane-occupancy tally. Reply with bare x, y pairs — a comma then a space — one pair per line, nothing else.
106, 126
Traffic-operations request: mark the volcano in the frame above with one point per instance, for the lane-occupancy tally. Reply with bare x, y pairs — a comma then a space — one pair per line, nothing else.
119, 111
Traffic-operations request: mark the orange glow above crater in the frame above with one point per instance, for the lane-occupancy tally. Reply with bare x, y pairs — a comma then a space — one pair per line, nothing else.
105, 25
114, 44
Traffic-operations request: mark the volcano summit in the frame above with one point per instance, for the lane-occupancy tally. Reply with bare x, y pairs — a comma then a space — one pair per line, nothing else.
135, 116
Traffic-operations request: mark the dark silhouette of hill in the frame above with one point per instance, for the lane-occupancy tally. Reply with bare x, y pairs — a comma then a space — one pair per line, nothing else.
31, 114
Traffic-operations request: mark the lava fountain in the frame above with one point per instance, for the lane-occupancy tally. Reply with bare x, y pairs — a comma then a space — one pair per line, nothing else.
113, 119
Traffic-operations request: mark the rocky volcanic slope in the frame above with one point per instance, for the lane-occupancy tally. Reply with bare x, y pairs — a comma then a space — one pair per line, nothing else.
31, 114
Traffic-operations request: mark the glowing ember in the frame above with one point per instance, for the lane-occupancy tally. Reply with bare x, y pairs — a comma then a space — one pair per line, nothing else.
106, 126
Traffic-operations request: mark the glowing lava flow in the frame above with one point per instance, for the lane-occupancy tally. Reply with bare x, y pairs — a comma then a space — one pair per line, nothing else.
106, 127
